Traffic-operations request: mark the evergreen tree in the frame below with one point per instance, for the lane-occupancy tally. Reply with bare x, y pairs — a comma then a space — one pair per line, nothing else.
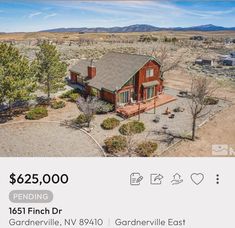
17, 79
50, 69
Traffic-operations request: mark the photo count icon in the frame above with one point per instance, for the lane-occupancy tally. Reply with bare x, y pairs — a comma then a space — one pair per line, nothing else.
135, 179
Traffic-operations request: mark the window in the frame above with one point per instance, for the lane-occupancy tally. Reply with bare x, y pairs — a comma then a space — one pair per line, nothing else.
149, 72
150, 92
124, 97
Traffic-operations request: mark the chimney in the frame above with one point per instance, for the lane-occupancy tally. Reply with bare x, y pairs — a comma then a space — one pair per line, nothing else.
91, 70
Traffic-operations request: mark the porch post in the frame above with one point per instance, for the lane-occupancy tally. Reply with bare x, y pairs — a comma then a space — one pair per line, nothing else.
139, 111
155, 98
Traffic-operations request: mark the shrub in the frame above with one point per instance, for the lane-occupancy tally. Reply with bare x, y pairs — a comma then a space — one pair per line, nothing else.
37, 113
146, 149
133, 127
104, 107
116, 144
110, 123
94, 92
211, 101
71, 95
67, 93
57, 104
81, 119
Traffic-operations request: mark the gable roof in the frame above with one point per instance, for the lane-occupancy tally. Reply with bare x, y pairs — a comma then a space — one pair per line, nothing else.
81, 67
114, 69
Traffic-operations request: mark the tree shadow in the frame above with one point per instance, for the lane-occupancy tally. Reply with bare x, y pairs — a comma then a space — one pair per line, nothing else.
70, 124
168, 137
8, 115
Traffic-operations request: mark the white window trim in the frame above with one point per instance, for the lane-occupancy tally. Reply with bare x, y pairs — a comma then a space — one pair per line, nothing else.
148, 75
154, 89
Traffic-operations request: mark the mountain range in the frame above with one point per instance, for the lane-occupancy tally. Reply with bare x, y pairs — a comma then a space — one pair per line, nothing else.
140, 28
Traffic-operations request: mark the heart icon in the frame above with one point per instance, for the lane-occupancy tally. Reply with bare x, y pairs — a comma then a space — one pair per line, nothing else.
197, 178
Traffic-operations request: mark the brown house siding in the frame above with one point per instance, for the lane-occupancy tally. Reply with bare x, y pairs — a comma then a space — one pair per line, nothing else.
142, 78
73, 77
108, 96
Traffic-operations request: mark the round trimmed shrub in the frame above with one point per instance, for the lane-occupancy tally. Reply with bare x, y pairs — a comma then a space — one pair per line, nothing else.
37, 113
211, 101
110, 123
146, 149
115, 144
81, 119
57, 104
73, 97
104, 107
133, 127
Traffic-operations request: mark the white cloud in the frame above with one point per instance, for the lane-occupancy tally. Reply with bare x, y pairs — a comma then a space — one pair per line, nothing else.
50, 15
34, 14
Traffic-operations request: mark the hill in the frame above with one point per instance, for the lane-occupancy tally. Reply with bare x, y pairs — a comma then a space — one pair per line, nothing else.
140, 28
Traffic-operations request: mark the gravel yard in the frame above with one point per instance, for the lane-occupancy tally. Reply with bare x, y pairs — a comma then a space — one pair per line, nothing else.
180, 126
32, 139
52, 139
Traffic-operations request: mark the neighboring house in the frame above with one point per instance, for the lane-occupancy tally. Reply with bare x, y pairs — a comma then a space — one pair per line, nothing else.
228, 60
119, 78
204, 62
232, 54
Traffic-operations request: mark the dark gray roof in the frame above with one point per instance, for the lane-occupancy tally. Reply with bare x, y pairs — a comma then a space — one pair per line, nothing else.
113, 70
81, 67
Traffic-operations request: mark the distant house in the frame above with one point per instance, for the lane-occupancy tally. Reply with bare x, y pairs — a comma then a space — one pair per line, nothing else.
198, 38
203, 62
119, 78
232, 54
229, 62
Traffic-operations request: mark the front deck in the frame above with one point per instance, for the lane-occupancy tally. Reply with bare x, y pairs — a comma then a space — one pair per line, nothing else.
133, 109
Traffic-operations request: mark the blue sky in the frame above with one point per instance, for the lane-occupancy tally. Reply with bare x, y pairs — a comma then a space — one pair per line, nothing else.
27, 16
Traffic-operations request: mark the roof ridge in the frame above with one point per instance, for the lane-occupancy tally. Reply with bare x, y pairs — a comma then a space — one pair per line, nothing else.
125, 53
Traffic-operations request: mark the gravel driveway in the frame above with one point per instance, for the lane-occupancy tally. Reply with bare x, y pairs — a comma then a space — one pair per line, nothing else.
45, 140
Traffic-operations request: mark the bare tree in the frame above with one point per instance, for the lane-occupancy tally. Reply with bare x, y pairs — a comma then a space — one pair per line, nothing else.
162, 54
131, 143
201, 88
88, 106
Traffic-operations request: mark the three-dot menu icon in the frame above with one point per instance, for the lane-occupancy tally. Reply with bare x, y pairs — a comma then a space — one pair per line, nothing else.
217, 179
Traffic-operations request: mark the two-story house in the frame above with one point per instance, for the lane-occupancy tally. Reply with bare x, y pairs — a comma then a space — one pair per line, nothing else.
119, 78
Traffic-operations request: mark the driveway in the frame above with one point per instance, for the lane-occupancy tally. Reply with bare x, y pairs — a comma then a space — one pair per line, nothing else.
33, 139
